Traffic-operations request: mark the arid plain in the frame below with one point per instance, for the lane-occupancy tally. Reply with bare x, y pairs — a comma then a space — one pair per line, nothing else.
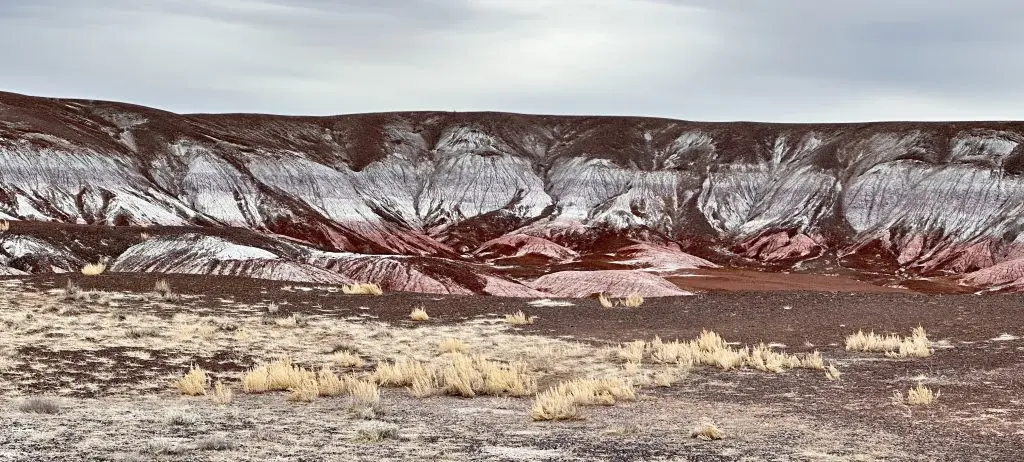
98, 369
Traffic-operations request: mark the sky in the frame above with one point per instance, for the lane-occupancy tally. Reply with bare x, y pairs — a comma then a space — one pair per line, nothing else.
709, 60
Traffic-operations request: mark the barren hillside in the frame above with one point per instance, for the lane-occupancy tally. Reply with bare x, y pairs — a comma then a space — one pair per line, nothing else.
490, 202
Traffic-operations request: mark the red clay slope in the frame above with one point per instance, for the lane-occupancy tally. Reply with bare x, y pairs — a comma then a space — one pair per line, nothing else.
511, 197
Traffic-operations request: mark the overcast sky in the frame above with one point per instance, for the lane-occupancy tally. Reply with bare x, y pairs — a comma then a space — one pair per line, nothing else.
766, 60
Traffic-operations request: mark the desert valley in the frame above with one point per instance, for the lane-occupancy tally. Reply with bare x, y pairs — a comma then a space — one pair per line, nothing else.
494, 286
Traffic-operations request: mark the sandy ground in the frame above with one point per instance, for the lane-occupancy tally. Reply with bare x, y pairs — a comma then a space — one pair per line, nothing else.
108, 360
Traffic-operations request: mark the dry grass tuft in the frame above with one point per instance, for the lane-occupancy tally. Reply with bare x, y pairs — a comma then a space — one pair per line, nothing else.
347, 359
39, 406
180, 418
216, 443
330, 384
832, 373
194, 383
710, 349
163, 288
664, 378
633, 300
5, 226
362, 289
72, 291
554, 405
364, 394
279, 375
894, 346
222, 394
453, 345
707, 432
519, 319
295, 320
459, 375
94, 269
562, 401
919, 395
305, 390
377, 432
419, 314
401, 373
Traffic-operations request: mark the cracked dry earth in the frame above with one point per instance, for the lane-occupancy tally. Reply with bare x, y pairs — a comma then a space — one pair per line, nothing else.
108, 360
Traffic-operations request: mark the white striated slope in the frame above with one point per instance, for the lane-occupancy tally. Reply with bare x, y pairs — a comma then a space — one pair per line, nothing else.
197, 254
616, 283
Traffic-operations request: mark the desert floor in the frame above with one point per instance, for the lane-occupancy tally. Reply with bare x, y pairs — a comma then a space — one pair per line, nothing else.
91, 375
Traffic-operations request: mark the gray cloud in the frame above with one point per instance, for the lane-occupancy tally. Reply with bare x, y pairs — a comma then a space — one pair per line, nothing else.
785, 60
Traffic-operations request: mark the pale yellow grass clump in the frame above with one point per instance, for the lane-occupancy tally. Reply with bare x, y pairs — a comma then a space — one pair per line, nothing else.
562, 401
459, 375
916, 345
707, 432
632, 300
278, 375
832, 373
194, 383
453, 345
5, 226
307, 389
364, 394
401, 373
162, 287
94, 269
554, 405
664, 379
347, 359
222, 394
919, 395
710, 349
329, 384
519, 319
419, 314
362, 288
